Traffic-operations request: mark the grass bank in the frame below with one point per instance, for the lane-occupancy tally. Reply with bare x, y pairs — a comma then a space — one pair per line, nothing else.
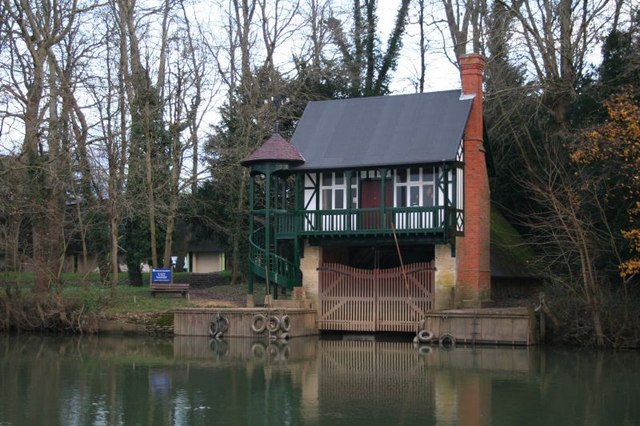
82, 300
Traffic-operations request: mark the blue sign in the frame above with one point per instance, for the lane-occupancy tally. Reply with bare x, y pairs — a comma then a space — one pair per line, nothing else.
162, 275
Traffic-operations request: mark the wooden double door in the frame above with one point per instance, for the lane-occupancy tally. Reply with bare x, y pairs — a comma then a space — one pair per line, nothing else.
393, 299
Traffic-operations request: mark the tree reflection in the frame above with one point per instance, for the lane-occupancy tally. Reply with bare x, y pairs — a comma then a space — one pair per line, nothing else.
119, 380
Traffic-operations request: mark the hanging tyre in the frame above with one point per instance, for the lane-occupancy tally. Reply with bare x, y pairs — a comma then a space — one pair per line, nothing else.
424, 336
223, 324
285, 323
447, 340
273, 324
258, 323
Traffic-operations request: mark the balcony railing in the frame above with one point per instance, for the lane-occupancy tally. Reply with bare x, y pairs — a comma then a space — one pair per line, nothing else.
436, 220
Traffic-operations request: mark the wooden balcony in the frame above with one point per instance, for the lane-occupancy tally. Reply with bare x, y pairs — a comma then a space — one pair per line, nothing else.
438, 222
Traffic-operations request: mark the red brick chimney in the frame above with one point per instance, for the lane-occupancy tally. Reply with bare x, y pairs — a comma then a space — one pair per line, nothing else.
473, 258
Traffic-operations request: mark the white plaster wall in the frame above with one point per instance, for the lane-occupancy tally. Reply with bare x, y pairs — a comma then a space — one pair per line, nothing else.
208, 262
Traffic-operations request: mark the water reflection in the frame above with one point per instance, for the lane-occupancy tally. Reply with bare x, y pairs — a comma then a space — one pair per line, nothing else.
184, 381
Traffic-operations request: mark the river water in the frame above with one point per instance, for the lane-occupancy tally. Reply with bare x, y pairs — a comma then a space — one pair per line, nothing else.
309, 381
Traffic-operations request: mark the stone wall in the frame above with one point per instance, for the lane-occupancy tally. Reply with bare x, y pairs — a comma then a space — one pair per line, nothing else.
310, 278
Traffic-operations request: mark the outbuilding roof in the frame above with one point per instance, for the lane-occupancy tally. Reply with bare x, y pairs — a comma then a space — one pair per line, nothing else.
382, 130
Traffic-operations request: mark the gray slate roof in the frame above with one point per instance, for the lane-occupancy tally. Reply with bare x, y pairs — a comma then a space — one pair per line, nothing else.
382, 130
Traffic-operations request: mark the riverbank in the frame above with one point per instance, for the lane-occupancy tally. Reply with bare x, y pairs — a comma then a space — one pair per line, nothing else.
154, 315
84, 305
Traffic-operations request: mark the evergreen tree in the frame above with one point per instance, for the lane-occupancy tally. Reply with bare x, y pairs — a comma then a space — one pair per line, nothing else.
148, 173
368, 68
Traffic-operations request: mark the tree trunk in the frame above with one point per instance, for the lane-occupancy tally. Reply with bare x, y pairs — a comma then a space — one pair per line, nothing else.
182, 243
235, 256
171, 218
35, 185
13, 241
423, 47
151, 203
114, 252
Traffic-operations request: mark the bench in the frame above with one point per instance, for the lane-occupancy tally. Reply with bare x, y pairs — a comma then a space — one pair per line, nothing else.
169, 288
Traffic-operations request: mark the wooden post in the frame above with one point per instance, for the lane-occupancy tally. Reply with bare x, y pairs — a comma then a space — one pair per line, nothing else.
383, 198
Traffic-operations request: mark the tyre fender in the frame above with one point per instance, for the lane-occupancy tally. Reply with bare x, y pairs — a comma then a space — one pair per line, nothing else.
223, 324
285, 323
424, 336
273, 324
213, 328
258, 323
447, 340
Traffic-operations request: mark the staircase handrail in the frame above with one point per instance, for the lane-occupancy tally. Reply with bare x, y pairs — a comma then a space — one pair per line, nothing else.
279, 269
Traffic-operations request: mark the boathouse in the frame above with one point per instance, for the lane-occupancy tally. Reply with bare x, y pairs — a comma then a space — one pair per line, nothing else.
378, 210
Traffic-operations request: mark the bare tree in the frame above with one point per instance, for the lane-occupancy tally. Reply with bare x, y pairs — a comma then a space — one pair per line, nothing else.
567, 230
464, 20
111, 140
35, 29
556, 37
11, 211
276, 21
319, 35
183, 106
423, 45
148, 144
246, 59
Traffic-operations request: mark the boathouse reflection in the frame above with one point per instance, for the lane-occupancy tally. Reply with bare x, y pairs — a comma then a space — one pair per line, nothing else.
370, 379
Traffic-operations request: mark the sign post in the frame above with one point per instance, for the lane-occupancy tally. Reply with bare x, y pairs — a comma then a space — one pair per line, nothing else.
162, 276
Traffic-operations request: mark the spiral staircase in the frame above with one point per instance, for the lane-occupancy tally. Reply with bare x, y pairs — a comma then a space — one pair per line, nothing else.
270, 163
273, 268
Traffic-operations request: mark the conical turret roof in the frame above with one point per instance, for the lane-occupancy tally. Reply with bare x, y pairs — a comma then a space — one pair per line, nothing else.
277, 149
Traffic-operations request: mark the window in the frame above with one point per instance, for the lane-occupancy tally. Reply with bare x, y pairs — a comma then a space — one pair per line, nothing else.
427, 195
334, 191
354, 192
414, 187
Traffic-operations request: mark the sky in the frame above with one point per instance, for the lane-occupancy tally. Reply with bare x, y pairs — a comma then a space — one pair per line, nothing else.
441, 74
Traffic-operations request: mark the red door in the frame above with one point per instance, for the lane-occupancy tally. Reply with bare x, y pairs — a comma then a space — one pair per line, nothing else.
371, 198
